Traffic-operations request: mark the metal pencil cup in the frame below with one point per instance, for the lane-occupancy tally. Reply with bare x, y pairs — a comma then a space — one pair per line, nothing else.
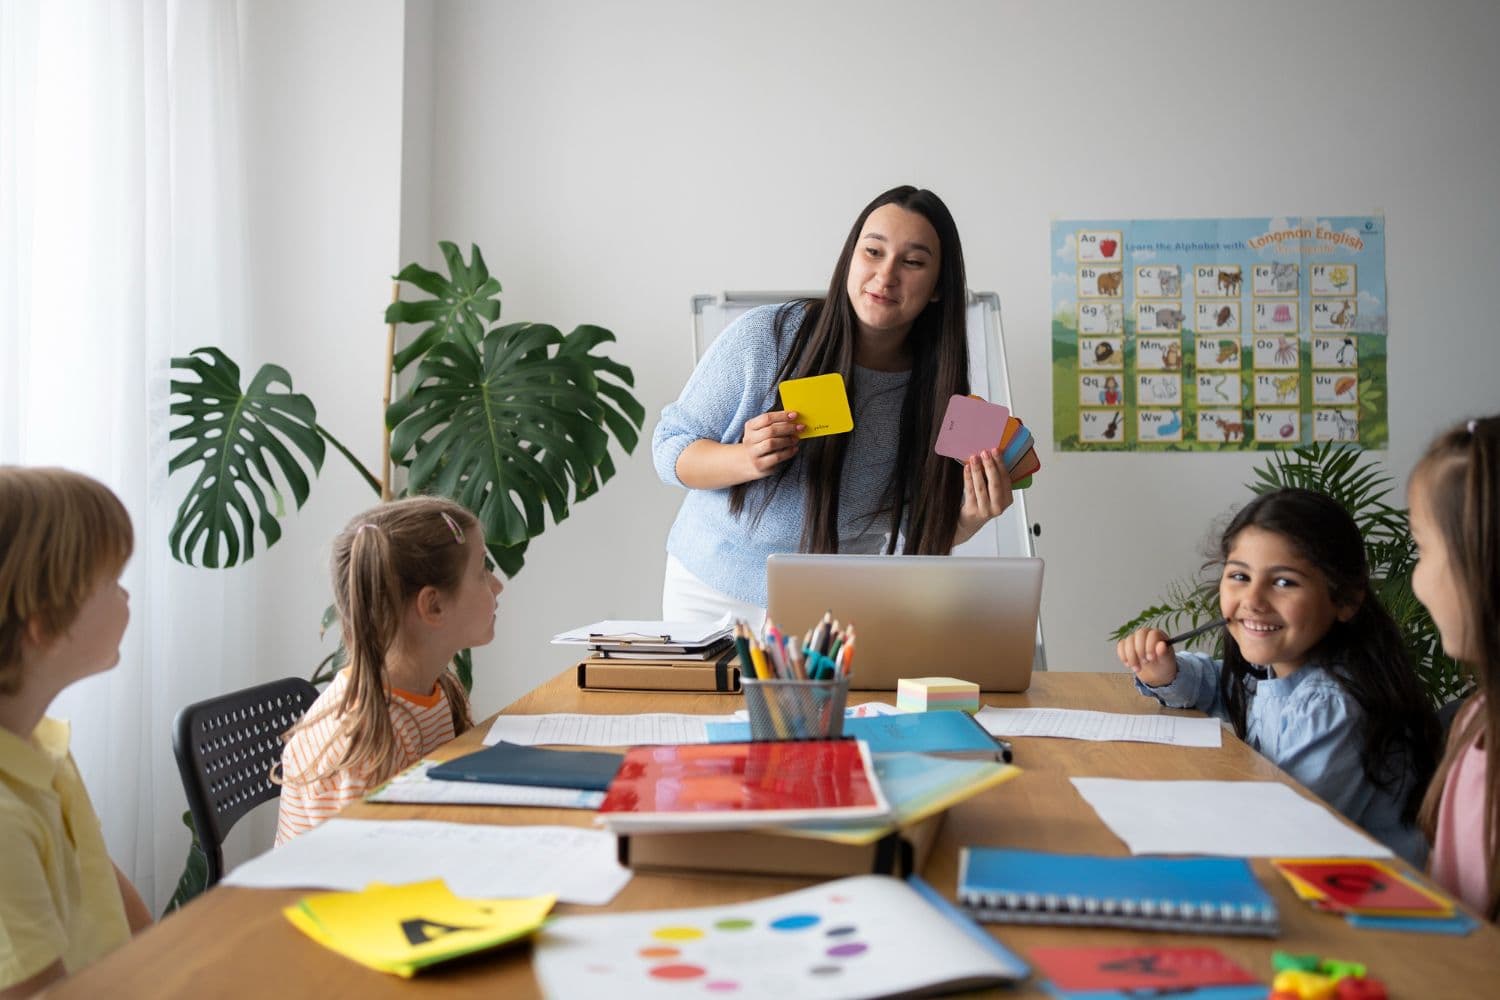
796, 710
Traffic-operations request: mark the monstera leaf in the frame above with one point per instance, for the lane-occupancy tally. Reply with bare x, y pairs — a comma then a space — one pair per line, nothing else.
511, 425
238, 437
461, 306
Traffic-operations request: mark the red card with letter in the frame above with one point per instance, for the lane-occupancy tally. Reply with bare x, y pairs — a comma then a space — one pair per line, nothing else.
1360, 886
1164, 969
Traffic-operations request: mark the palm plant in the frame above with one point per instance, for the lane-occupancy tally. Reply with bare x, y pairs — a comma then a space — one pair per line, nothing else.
1362, 488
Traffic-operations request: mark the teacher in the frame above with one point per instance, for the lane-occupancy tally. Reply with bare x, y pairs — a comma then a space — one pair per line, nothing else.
893, 324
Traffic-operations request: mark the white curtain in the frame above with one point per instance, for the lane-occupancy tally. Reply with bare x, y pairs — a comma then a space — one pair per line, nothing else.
121, 228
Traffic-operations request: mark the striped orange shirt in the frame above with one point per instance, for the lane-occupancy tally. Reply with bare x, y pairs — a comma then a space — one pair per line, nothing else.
422, 723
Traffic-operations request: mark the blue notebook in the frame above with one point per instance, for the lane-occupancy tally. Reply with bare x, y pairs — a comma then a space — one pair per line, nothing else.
511, 764
944, 733
1201, 895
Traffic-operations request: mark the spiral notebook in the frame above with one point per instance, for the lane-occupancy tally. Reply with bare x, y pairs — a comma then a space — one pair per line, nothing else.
1194, 895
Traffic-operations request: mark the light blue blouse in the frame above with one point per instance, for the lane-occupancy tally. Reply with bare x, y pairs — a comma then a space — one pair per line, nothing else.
1308, 726
735, 382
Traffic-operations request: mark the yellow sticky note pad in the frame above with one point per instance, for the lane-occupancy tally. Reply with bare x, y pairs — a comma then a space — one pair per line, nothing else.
820, 403
401, 929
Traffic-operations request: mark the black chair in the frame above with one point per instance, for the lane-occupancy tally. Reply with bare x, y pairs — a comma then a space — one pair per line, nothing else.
225, 750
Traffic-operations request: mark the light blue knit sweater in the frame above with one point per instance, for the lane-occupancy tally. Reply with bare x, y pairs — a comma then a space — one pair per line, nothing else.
733, 383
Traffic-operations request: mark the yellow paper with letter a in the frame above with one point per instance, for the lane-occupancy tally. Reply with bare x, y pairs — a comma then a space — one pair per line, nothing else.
403, 928
821, 404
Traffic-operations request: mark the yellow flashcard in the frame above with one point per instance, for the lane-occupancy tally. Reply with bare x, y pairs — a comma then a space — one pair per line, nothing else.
820, 403
403, 928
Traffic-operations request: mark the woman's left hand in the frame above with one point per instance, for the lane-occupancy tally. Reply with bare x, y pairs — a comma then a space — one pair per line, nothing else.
987, 493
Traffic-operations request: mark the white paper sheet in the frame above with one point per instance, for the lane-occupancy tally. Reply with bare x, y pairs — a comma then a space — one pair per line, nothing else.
1075, 724
564, 729
856, 937
413, 786
1240, 819
475, 860
683, 633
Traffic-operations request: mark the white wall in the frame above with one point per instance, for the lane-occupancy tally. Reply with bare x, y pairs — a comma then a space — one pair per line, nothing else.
612, 159
323, 91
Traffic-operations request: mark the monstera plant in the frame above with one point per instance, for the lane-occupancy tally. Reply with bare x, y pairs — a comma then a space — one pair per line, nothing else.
513, 421
1362, 488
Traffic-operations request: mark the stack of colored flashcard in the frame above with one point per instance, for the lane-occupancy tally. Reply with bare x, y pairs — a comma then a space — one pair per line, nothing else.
1360, 886
820, 402
971, 425
924, 694
403, 928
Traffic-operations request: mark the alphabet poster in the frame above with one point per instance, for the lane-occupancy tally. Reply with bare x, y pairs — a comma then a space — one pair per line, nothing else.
1218, 334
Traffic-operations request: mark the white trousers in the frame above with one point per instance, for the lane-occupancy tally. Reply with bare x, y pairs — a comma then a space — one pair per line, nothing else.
685, 598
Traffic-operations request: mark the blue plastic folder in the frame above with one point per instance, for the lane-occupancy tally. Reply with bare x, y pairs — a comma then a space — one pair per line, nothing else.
949, 734
1195, 895
511, 764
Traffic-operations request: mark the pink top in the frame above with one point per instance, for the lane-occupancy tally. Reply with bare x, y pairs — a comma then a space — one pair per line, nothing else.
1459, 859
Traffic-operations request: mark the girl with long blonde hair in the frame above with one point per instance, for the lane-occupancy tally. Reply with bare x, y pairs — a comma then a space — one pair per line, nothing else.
412, 589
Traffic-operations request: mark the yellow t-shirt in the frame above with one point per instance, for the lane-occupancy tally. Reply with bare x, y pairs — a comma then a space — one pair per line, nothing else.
58, 894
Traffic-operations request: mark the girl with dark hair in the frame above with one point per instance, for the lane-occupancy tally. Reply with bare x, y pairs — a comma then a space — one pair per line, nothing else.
1455, 521
1315, 675
893, 325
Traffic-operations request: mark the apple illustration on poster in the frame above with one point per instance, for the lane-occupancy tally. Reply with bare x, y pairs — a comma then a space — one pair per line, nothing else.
1107, 247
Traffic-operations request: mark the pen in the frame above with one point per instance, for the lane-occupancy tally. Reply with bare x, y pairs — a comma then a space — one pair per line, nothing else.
1005, 750
1195, 632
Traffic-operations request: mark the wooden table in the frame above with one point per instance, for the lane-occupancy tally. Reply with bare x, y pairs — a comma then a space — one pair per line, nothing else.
235, 943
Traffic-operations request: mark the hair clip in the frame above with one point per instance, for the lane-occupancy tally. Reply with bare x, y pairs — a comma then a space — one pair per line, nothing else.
362, 527
458, 535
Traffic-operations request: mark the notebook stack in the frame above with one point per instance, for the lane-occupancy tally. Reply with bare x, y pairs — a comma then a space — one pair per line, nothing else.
656, 656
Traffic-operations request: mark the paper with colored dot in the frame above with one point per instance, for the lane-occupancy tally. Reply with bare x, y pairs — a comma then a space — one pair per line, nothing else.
854, 937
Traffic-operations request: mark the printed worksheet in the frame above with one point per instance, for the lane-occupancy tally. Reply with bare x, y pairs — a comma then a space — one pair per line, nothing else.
571, 730
1075, 724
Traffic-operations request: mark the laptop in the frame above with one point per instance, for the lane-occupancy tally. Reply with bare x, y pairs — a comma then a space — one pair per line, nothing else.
973, 618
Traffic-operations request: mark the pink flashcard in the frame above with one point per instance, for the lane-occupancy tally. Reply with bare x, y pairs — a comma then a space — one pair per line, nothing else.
970, 426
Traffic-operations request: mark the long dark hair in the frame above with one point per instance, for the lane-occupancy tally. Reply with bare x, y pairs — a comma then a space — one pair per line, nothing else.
824, 342
1365, 654
1459, 480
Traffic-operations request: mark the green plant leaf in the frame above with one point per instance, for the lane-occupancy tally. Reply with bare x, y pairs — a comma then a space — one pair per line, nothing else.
194, 878
511, 427
461, 306
248, 443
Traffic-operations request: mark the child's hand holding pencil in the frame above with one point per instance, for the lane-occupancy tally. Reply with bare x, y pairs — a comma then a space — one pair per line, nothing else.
1148, 652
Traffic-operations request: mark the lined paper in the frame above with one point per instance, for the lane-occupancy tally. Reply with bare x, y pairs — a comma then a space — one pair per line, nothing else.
567, 729
1077, 724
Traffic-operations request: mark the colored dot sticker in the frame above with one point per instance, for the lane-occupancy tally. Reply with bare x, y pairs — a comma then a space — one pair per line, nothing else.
825, 970
678, 971
677, 933
795, 922
721, 986
660, 952
843, 931
847, 950
734, 924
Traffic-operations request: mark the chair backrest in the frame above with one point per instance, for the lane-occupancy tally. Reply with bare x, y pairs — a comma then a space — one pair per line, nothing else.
226, 747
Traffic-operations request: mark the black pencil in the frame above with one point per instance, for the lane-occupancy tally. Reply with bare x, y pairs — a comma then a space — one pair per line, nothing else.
1193, 633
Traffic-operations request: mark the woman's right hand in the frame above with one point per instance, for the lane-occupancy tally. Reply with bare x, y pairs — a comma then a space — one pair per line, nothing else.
769, 440
1149, 656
